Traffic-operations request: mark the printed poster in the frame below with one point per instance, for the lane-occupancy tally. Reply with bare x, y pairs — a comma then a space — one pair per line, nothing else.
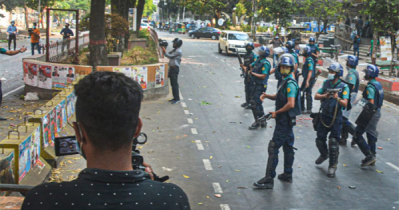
62, 75
45, 80
386, 48
24, 158
6, 173
160, 76
61, 116
70, 105
46, 130
53, 126
49, 128
35, 149
30, 73
125, 70
140, 76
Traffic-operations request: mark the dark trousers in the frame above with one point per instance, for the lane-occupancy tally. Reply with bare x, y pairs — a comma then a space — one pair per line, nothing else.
32, 45
307, 94
10, 39
173, 74
65, 42
356, 50
257, 108
248, 89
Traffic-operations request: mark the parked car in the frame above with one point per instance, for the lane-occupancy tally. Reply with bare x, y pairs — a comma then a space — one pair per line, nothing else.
233, 41
144, 26
205, 32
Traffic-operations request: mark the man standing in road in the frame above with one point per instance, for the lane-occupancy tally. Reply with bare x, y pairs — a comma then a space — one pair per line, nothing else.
35, 38
315, 50
276, 43
334, 97
356, 43
66, 39
260, 75
8, 52
249, 58
308, 73
374, 94
287, 108
12, 35
174, 67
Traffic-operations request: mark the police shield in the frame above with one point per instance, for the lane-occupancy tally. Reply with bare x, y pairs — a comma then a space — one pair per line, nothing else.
365, 115
278, 51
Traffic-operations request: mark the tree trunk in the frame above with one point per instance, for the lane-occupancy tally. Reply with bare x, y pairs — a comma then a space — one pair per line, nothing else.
98, 43
140, 10
120, 7
325, 25
26, 17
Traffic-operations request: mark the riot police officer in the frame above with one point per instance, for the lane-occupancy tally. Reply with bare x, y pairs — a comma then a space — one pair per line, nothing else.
249, 58
260, 74
287, 108
334, 97
308, 73
375, 95
353, 78
277, 74
290, 45
315, 49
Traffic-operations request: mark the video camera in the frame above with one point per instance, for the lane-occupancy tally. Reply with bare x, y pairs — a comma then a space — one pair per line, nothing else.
163, 43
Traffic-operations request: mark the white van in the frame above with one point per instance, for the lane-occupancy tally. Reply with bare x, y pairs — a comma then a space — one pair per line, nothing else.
233, 41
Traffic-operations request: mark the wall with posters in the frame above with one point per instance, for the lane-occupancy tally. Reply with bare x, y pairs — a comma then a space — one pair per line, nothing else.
6, 171
385, 48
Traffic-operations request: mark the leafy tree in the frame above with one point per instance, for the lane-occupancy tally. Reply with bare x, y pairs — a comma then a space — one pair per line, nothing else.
240, 9
323, 10
384, 19
277, 10
149, 8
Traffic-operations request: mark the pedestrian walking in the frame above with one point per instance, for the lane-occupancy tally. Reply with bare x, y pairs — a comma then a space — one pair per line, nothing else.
12, 35
8, 52
34, 38
174, 67
334, 96
356, 43
287, 108
66, 37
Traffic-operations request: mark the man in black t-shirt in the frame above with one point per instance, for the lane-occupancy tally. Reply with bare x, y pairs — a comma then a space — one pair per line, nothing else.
105, 135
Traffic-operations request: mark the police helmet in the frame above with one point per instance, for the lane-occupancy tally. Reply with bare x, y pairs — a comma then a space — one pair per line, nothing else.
285, 50
352, 61
290, 45
336, 67
250, 44
178, 42
372, 71
307, 51
263, 51
12, 21
312, 39
286, 61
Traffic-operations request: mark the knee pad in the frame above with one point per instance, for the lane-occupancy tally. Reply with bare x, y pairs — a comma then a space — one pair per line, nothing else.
319, 143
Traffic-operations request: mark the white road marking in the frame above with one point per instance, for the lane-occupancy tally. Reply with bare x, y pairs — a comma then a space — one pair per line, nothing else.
393, 166
224, 206
207, 164
190, 121
217, 187
16, 89
194, 131
186, 112
181, 97
199, 145
183, 105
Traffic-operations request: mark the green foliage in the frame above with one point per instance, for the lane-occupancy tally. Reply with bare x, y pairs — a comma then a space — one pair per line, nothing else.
149, 8
276, 9
323, 10
385, 14
246, 28
240, 9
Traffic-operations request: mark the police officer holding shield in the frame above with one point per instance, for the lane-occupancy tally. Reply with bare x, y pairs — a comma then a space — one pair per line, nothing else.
259, 74
334, 97
287, 108
374, 94
249, 58
308, 73
353, 78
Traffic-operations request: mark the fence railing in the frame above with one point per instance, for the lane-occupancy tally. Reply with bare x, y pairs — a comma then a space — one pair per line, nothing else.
64, 49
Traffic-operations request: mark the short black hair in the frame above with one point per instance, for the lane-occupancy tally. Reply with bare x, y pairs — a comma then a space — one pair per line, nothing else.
108, 106
34, 24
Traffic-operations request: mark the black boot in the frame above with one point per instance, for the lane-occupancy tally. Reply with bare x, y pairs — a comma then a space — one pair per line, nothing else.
333, 153
265, 183
320, 160
353, 143
344, 135
369, 160
249, 106
322, 146
285, 177
254, 125
244, 105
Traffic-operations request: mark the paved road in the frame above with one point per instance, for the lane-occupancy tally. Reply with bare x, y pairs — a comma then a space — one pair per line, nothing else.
234, 157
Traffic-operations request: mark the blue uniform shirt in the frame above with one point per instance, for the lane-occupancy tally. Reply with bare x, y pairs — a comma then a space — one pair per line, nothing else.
11, 29
352, 77
265, 68
308, 66
292, 89
371, 91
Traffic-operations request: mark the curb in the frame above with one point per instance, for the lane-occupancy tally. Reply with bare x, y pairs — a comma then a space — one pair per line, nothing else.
388, 96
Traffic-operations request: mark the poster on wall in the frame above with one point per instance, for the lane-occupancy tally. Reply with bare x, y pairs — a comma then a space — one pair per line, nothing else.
53, 126
62, 75
24, 158
125, 70
70, 105
30, 73
35, 149
386, 48
140, 75
6, 174
160, 76
61, 116
46, 130
45, 80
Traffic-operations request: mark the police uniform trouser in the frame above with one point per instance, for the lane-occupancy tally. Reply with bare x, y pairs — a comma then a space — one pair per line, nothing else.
335, 133
283, 136
248, 88
259, 89
308, 94
173, 74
